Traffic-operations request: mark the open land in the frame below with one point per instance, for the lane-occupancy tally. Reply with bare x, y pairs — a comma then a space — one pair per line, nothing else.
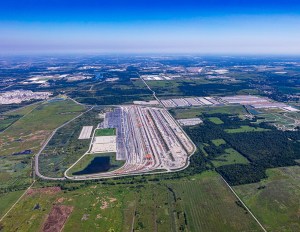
248, 138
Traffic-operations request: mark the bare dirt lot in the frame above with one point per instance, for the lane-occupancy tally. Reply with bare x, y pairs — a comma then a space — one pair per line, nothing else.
57, 218
48, 190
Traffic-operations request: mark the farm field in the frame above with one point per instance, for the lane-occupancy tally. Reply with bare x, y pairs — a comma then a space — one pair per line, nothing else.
275, 200
231, 156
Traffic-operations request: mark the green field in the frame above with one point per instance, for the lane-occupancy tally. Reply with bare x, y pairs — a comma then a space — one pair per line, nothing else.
242, 129
29, 133
218, 142
7, 119
198, 111
198, 203
216, 120
275, 200
7, 200
87, 159
231, 156
65, 148
210, 206
105, 132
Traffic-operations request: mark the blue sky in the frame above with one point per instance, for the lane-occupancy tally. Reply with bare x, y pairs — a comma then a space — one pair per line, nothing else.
112, 26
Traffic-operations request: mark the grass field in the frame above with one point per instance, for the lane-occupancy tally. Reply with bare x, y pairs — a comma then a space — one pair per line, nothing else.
197, 111
7, 119
218, 142
197, 203
7, 200
210, 206
28, 133
105, 132
242, 129
275, 200
216, 120
231, 156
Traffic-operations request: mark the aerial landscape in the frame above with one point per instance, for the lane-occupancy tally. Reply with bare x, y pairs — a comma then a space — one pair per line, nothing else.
124, 117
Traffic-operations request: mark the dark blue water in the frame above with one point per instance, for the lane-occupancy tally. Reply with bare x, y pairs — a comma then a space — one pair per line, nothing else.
98, 164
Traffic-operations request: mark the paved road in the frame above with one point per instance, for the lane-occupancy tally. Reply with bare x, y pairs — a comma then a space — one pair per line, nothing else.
36, 157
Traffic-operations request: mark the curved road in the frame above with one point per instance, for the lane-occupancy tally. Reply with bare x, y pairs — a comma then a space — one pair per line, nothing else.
36, 157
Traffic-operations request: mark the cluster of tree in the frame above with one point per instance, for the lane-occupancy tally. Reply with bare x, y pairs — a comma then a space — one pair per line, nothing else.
265, 149
192, 89
236, 174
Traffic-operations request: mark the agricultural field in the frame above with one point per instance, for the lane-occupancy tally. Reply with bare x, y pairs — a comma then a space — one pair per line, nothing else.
65, 148
231, 156
198, 203
275, 200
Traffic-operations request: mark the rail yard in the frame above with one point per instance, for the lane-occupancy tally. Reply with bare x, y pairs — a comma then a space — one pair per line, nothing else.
147, 139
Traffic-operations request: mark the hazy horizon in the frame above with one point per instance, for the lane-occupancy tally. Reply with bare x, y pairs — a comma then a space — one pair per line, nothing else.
172, 27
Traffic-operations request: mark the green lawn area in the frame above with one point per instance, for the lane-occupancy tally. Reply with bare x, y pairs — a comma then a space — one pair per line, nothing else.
275, 200
231, 156
215, 120
218, 142
242, 129
105, 132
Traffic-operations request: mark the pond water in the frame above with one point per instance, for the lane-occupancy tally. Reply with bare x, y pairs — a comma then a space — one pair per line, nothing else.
98, 164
